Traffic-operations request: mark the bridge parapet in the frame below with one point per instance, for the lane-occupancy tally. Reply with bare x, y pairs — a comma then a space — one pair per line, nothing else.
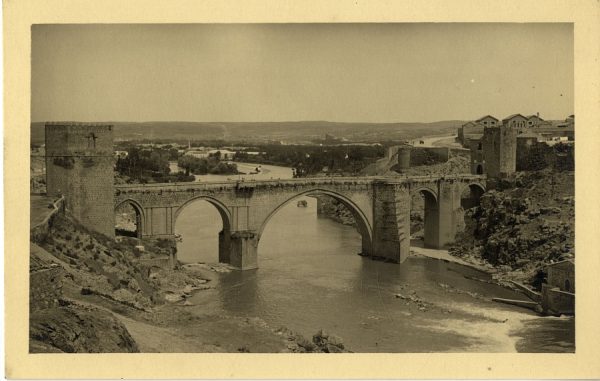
380, 205
232, 184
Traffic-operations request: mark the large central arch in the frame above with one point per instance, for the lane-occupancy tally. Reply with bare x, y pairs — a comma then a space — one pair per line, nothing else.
221, 208
224, 234
362, 222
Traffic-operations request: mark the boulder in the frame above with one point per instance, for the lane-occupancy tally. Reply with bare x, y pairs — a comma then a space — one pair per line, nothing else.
79, 329
332, 349
306, 345
336, 341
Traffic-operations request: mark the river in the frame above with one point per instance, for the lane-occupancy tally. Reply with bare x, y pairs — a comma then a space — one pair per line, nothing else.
312, 278
267, 172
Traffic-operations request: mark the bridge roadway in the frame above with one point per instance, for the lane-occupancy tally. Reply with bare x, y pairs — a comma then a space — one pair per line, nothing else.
380, 206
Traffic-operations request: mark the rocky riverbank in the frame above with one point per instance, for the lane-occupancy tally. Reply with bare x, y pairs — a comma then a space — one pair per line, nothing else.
92, 294
524, 224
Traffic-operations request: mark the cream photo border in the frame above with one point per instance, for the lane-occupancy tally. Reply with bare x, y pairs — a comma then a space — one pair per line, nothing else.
19, 15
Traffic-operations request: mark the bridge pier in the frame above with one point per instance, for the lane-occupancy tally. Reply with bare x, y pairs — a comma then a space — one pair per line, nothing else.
391, 220
448, 204
432, 225
243, 250
224, 246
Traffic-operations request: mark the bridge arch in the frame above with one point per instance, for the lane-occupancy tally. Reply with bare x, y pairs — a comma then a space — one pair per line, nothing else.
423, 189
471, 199
224, 239
364, 226
430, 216
140, 215
221, 208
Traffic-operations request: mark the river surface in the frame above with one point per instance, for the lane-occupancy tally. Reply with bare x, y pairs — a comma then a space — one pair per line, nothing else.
311, 278
267, 172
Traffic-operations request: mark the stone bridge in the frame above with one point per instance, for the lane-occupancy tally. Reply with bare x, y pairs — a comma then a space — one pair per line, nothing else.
380, 205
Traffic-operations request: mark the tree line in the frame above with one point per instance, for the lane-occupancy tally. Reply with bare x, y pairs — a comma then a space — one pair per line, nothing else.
309, 160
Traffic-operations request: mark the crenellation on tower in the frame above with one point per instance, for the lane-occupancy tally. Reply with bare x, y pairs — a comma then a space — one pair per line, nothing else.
80, 167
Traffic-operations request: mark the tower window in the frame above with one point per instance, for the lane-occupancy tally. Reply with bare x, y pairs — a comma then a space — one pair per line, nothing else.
92, 140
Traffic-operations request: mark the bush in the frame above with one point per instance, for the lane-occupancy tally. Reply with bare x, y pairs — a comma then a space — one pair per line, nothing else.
539, 156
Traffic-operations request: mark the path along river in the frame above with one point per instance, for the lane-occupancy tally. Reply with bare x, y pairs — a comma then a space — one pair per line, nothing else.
311, 278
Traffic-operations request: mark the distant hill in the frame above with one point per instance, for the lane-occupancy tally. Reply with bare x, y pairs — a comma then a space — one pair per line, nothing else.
264, 131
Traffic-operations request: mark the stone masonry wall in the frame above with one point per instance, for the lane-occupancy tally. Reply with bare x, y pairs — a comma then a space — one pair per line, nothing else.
80, 166
500, 150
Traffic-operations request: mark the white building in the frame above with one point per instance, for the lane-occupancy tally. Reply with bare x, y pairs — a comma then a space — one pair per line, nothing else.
197, 153
225, 154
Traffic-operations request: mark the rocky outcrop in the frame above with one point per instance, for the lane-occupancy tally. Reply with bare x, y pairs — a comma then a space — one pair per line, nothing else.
526, 223
322, 342
78, 329
59, 325
102, 266
129, 277
331, 208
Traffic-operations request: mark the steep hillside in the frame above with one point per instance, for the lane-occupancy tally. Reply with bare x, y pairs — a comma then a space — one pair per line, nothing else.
527, 222
90, 294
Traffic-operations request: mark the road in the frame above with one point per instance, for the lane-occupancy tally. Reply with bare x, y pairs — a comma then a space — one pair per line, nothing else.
436, 141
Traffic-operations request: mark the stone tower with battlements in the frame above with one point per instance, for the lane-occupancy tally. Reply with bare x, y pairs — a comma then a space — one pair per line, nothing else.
499, 145
80, 167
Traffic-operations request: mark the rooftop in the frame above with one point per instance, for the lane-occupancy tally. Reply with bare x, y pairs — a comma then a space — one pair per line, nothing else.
534, 116
514, 116
486, 116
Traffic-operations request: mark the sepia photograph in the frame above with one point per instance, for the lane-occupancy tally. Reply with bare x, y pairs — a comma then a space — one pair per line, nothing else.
331, 189
303, 188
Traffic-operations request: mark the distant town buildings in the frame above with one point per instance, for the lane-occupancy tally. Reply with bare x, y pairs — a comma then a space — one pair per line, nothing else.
546, 131
200, 154
515, 120
495, 145
203, 153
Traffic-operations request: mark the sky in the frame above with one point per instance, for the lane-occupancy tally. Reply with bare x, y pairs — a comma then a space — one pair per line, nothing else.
376, 73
